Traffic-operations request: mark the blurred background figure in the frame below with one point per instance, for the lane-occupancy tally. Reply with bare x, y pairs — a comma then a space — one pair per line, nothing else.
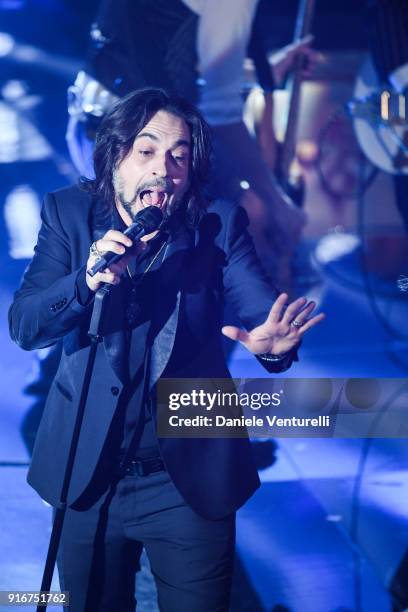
198, 51
388, 37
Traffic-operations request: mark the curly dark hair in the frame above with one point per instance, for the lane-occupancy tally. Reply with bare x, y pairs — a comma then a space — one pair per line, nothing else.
115, 138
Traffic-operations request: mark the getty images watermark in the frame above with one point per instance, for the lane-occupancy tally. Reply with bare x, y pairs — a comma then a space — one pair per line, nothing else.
289, 407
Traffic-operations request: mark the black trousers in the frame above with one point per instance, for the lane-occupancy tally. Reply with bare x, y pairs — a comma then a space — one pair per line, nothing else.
191, 558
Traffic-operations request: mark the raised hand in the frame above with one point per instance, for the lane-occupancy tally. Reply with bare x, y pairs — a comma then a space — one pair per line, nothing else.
282, 330
283, 60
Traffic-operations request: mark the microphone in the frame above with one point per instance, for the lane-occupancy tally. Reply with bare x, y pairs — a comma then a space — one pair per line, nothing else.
146, 221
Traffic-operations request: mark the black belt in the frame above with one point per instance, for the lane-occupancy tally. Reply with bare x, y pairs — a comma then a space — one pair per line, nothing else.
143, 467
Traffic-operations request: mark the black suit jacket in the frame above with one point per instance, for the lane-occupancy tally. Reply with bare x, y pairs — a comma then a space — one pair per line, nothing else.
201, 268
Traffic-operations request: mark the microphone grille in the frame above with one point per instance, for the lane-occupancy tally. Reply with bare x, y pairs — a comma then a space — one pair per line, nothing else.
150, 217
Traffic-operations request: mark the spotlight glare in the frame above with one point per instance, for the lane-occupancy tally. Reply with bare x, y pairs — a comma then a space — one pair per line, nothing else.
402, 283
6, 44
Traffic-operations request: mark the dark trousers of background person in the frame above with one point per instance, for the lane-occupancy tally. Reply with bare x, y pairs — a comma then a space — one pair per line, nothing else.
191, 557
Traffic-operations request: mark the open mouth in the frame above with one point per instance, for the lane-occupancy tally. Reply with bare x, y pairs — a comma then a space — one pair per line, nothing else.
153, 198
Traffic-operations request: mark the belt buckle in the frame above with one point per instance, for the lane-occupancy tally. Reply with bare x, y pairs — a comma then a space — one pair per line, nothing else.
139, 468
132, 469
144, 467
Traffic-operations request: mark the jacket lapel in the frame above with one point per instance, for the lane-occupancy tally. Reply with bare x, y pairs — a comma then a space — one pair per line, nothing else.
167, 301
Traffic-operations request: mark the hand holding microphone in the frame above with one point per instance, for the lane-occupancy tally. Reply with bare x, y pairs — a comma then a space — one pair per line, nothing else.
114, 249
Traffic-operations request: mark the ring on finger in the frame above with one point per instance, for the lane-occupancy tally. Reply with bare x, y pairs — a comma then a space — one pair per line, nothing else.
296, 323
94, 251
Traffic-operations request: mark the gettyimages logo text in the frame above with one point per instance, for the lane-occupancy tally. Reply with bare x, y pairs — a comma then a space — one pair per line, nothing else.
207, 401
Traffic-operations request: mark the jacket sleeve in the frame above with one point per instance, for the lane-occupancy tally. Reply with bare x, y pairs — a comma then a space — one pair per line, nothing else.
46, 307
247, 287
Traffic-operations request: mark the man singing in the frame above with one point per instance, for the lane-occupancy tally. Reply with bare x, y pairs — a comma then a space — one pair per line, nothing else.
175, 497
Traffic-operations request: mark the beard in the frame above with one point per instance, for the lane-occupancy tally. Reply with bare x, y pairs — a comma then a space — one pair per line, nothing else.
130, 205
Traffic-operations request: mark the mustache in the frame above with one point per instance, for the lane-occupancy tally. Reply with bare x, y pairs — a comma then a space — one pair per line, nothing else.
163, 183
